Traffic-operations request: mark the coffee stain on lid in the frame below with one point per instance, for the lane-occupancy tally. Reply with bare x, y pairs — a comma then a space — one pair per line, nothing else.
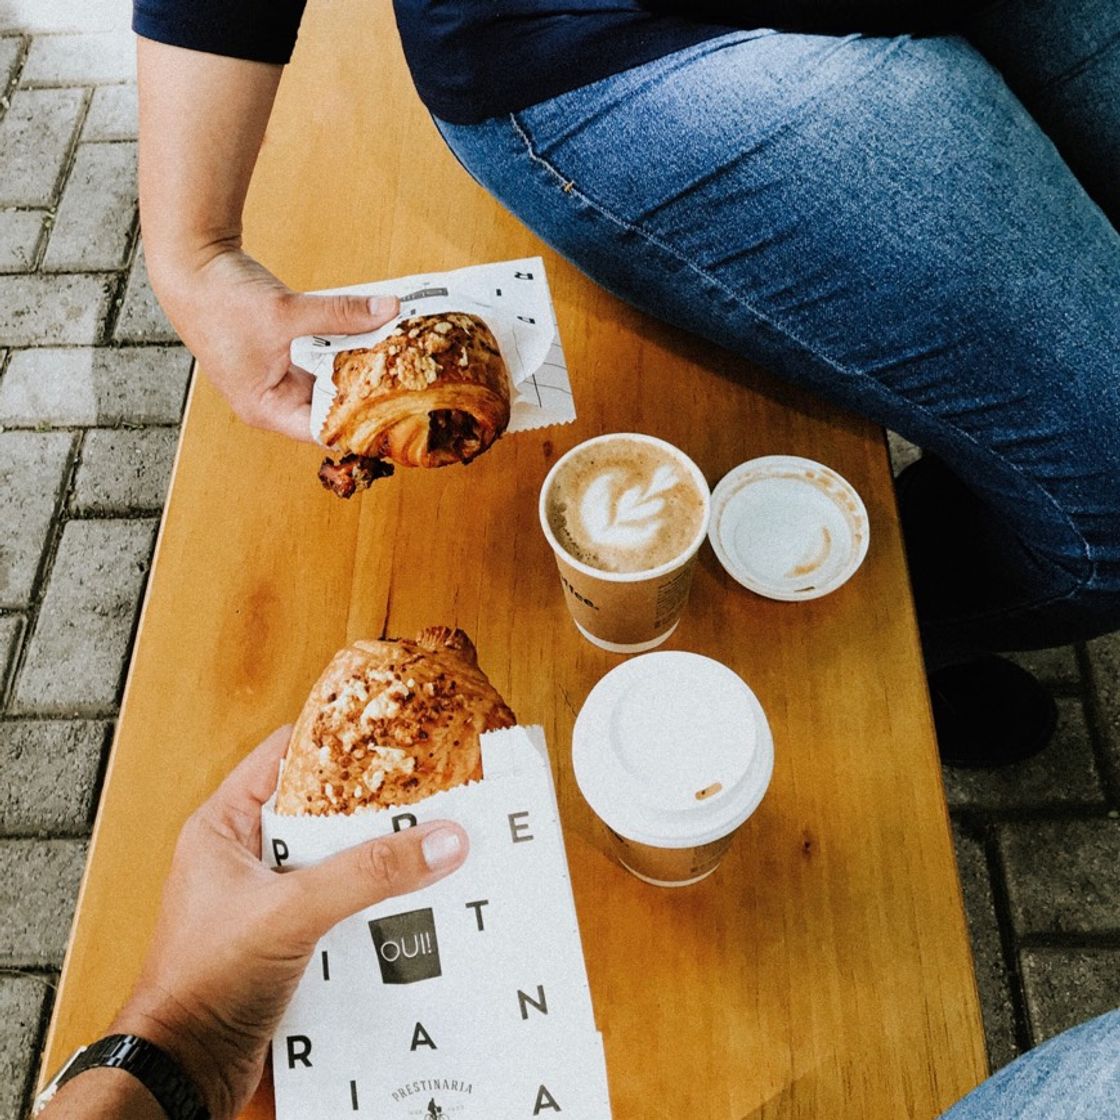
818, 558
709, 791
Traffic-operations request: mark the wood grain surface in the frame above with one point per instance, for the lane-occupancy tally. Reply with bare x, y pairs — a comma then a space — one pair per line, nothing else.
824, 971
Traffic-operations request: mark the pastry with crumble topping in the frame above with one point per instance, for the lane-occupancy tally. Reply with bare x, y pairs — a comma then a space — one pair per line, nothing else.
390, 723
433, 392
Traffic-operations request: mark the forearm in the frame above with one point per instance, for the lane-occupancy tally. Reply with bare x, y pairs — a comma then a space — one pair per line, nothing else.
202, 120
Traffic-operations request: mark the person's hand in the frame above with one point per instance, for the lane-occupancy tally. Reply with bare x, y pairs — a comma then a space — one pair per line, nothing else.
233, 937
239, 321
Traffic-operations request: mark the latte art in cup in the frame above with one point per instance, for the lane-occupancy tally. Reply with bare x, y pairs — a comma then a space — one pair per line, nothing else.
624, 505
624, 515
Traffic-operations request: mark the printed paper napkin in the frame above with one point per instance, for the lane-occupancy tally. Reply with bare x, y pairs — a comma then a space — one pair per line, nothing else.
514, 300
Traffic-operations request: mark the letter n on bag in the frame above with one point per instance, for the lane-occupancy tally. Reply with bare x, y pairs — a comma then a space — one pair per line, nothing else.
406, 946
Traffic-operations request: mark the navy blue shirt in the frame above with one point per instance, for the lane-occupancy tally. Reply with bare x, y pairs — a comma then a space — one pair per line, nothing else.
470, 59
473, 59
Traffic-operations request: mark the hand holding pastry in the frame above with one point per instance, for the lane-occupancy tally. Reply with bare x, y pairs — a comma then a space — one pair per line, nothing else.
239, 321
233, 939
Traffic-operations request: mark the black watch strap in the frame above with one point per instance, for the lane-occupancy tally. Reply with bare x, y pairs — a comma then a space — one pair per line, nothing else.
153, 1067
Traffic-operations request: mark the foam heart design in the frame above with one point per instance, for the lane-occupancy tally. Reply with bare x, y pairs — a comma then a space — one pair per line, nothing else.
629, 520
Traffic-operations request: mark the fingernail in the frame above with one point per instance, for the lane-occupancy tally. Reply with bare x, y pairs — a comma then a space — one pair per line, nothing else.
382, 305
441, 848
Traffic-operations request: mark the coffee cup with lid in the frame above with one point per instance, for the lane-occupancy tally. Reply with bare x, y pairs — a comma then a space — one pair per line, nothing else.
673, 752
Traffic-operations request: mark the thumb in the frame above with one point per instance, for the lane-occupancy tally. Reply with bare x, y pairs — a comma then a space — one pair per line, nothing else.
323, 895
308, 314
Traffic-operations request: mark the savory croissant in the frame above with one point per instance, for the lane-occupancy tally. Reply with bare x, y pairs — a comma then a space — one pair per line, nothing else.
434, 392
390, 723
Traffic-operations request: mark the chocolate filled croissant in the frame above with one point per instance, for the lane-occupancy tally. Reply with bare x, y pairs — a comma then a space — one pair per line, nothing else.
390, 723
434, 392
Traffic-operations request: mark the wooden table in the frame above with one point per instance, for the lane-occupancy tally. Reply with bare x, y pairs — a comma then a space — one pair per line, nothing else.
824, 970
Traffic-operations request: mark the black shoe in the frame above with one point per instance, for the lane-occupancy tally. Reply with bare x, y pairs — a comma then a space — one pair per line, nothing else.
990, 712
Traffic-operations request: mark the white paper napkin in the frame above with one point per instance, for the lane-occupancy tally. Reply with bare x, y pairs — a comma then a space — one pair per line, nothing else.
512, 297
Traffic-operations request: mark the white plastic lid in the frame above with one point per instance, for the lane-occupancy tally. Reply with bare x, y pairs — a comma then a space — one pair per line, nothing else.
788, 528
672, 749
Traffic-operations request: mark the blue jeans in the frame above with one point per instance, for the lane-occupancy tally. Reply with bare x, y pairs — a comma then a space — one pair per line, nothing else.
1075, 1076
885, 222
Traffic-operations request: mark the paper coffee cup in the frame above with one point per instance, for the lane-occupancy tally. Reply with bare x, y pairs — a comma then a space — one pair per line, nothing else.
627, 611
673, 752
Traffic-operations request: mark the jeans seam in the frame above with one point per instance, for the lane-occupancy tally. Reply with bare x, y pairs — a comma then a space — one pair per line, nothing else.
568, 187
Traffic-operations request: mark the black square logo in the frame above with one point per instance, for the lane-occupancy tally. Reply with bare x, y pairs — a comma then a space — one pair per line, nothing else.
406, 946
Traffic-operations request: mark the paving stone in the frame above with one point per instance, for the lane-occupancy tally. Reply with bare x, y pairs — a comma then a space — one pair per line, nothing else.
33, 468
1104, 673
94, 219
76, 654
11, 627
58, 310
91, 386
23, 1001
141, 318
63, 15
57, 763
80, 59
35, 137
122, 471
987, 954
1064, 772
113, 114
19, 238
902, 452
11, 47
1051, 666
1065, 987
1063, 876
38, 887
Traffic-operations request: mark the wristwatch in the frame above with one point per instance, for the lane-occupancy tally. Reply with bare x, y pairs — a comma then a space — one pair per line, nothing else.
154, 1068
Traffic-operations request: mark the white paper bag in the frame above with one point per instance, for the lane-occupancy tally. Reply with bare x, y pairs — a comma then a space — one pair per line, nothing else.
469, 996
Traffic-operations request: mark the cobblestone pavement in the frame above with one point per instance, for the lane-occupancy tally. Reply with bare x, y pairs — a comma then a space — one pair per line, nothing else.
92, 383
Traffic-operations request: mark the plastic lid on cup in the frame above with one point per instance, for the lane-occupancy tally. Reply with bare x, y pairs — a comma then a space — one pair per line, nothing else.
788, 528
672, 749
